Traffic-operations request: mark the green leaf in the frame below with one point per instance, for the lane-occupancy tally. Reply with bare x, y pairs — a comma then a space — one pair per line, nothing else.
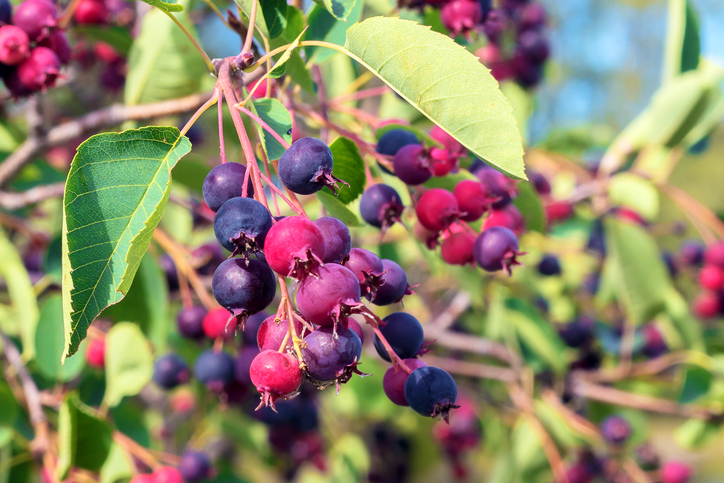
641, 281
677, 309
278, 69
84, 440
697, 382
129, 362
22, 317
631, 190
295, 67
349, 167
323, 26
50, 343
537, 334
53, 261
117, 188
191, 172
271, 16
146, 303
117, 467
117, 37
273, 112
340, 9
696, 434
529, 204
446, 83
337, 209
683, 45
165, 6
163, 63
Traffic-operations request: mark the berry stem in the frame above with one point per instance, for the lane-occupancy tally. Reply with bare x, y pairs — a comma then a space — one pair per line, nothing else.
222, 148
375, 322
200, 111
205, 56
264, 125
290, 318
250, 29
275, 200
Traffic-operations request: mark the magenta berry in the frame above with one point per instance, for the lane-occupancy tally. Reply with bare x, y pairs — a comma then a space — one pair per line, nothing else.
412, 164
95, 353
532, 16
195, 466
496, 249
167, 474
498, 184
214, 369
241, 225
707, 305
90, 12
276, 375
714, 254
40, 70
331, 357
510, 217
35, 17
533, 45
354, 325
616, 430
224, 182
437, 209
457, 249
294, 247
214, 323
14, 45
170, 371
306, 167
404, 334
473, 199
272, 333
190, 322
461, 16
676, 472
337, 239
540, 183
331, 297
58, 43
394, 381
431, 392
243, 287
381, 206
394, 284
368, 269
711, 277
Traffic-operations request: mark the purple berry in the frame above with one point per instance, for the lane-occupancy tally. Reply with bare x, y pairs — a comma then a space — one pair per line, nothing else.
495, 24
243, 287
331, 357
404, 334
533, 45
190, 322
549, 266
381, 206
498, 184
36, 17
394, 284
252, 327
241, 225
577, 333
223, 183
14, 45
496, 249
412, 164
532, 16
242, 363
207, 258
294, 247
170, 370
368, 269
6, 12
461, 16
431, 391
214, 369
306, 167
647, 457
394, 140
195, 466
337, 239
331, 297
58, 43
540, 183
616, 430
691, 253
394, 381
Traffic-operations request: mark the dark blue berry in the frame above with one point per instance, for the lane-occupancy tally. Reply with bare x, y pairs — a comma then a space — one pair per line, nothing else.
306, 167
195, 466
692, 253
252, 327
331, 357
241, 225
190, 322
170, 370
549, 266
6, 12
244, 287
242, 363
700, 146
394, 284
214, 369
224, 182
381, 206
534, 46
394, 140
597, 238
431, 391
575, 334
404, 334
337, 239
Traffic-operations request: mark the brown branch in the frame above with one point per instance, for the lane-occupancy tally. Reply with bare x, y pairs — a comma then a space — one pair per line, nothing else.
472, 369
646, 368
458, 305
469, 343
14, 201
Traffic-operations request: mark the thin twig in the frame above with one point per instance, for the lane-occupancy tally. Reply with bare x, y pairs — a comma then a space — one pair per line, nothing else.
14, 201
472, 369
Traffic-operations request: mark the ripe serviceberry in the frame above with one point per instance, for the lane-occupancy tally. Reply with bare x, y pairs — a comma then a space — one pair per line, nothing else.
36, 18
40, 70
532, 15
306, 167
241, 225
109, 55
368, 269
457, 249
331, 358
272, 333
167, 474
242, 363
540, 183
337, 239
170, 371
498, 184
394, 140
647, 457
224, 182
473, 199
207, 258
6, 12
294, 247
91, 12
691, 253
276, 375
394, 381
381, 206
412, 164
461, 16
676, 472
404, 334
714, 254
654, 343
190, 322
394, 284
616, 430
578, 332
214, 323
707, 305
497, 249
534, 46
252, 327
95, 352
195, 466
244, 287
330, 298
711, 277
431, 392
354, 325
549, 266
437, 209
214, 369
14, 45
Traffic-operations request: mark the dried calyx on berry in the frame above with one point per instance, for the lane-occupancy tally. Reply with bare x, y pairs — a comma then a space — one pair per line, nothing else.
368, 269
241, 225
431, 392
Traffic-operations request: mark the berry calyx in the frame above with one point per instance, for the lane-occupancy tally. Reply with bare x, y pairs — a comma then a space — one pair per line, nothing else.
170, 371
368, 269
412, 164
437, 209
306, 167
243, 287
330, 298
331, 357
381, 206
14, 45
497, 249
393, 285
294, 247
224, 182
403, 333
95, 352
337, 239
276, 375
498, 184
241, 225
393, 383
431, 392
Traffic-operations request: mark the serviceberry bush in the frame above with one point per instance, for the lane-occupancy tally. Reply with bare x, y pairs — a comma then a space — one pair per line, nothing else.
268, 241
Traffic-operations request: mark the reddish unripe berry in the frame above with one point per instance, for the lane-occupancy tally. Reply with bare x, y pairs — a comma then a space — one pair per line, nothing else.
711, 277
90, 12
275, 375
142, 478
509, 217
36, 17
488, 55
294, 247
95, 352
182, 400
473, 199
40, 70
106, 53
394, 381
579, 473
630, 216
58, 43
214, 323
271, 333
707, 305
558, 211
457, 249
714, 254
437, 209
167, 474
461, 16
331, 297
443, 161
337, 239
14, 45
676, 472
448, 142
261, 90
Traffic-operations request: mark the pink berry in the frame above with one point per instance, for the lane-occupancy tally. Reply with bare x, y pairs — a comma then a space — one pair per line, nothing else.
167, 474
558, 211
437, 209
329, 298
91, 12
58, 43
271, 333
630, 216
707, 305
509, 217
40, 70
294, 247
473, 198
275, 375
457, 249
714, 254
461, 16
95, 353
214, 323
14, 45
711, 277
261, 90
36, 18
106, 53
676, 472
394, 381
143, 478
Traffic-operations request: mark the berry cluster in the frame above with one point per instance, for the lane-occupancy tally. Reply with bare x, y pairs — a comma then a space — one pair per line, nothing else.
709, 261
